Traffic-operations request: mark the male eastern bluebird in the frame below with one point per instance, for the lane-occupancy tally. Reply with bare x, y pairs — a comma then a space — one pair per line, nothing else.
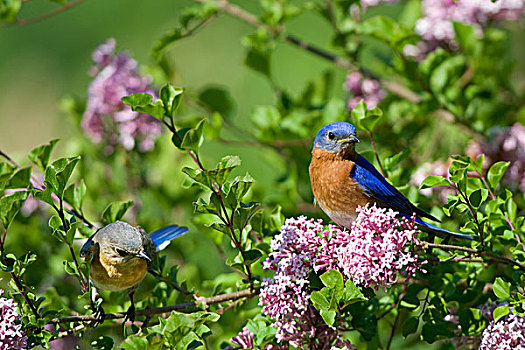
121, 256
342, 180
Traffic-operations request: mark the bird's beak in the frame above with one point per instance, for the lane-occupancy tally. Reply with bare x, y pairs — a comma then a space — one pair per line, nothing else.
143, 255
349, 139
88, 248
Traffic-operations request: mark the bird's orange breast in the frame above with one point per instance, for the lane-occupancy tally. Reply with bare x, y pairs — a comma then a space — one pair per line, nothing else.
107, 275
334, 190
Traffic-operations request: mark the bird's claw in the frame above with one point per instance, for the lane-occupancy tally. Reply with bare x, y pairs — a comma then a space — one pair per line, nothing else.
130, 314
100, 316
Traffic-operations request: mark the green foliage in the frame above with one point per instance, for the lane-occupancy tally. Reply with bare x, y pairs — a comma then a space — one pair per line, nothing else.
434, 107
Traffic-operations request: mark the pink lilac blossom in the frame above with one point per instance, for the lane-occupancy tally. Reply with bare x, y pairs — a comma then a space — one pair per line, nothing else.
244, 339
507, 333
504, 144
372, 253
365, 89
107, 119
436, 26
11, 335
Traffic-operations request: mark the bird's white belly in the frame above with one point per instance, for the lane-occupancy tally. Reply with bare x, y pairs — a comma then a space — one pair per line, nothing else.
342, 219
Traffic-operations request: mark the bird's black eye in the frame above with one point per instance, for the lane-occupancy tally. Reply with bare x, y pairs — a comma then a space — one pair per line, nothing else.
121, 252
331, 135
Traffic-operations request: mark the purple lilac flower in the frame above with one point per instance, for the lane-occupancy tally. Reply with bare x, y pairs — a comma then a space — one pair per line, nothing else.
244, 339
372, 253
107, 119
504, 144
507, 333
363, 89
11, 334
436, 26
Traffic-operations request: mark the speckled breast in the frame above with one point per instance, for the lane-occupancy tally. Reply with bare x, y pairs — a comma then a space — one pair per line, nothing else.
335, 192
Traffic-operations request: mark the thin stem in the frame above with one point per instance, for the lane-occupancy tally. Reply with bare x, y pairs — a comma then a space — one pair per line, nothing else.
474, 215
344, 63
44, 16
392, 332
247, 293
376, 154
24, 294
171, 284
82, 279
482, 253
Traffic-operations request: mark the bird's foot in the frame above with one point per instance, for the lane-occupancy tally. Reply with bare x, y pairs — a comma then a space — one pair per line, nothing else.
130, 314
100, 316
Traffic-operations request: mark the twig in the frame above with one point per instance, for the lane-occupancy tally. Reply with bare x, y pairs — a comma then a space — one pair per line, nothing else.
24, 21
474, 215
24, 294
377, 154
392, 332
482, 253
344, 63
247, 293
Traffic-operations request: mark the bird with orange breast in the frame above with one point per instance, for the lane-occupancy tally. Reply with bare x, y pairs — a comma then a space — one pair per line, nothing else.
121, 255
342, 180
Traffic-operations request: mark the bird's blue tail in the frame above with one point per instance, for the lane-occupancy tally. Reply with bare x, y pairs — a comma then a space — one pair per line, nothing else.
425, 226
163, 236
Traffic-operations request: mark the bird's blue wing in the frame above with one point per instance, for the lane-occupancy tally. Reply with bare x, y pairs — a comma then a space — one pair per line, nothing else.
376, 186
163, 236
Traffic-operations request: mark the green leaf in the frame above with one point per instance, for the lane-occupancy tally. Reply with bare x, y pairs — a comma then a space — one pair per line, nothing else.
500, 311
501, 288
410, 326
328, 316
40, 155
448, 70
115, 211
352, 293
333, 279
135, 342
222, 171
258, 60
170, 97
319, 300
193, 138
392, 161
496, 172
9, 9
366, 119
57, 174
468, 39
252, 256
143, 103
218, 99
478, 197
103, 343
434, 181
19, 179
74, 195
10, 205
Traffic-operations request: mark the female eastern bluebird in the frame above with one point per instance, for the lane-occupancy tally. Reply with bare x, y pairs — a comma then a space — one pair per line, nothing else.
121, 256
342, 180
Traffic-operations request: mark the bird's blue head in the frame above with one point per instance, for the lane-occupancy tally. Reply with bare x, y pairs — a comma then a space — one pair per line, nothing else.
336, 137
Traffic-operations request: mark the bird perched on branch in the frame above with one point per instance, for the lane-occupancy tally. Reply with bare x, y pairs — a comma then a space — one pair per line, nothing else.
121, 256
342, 180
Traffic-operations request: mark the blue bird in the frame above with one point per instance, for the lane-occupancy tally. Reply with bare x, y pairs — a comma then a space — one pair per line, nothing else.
342, 180
121, 255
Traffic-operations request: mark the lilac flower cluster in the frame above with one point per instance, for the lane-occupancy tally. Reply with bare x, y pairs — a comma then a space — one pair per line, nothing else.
372, 253
363, 89
504, 144
11, 334
436, 25
107, 118
507, 333
244, 340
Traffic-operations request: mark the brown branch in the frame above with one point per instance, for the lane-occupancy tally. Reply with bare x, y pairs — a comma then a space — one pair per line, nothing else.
24, 294
247, 293
344, 63
481, 253
44, 16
